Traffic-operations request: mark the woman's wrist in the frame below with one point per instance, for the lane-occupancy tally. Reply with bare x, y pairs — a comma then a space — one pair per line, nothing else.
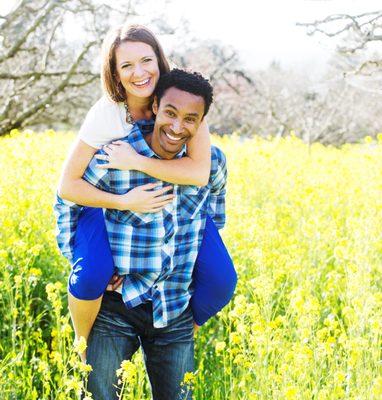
121, 202
142, 164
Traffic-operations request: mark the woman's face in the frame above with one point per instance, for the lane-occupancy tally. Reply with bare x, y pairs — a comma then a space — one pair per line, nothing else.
137, 68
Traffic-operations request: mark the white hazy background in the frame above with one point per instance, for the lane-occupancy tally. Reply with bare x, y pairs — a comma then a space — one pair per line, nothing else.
261, 31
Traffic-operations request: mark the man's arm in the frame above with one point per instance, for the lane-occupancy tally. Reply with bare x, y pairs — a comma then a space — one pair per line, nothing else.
218, 182
67, 213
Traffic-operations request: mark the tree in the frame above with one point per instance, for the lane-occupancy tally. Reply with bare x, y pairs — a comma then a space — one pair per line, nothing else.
359, 47
44, 77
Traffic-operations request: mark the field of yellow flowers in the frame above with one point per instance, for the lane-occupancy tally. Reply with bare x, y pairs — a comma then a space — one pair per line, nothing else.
305, 232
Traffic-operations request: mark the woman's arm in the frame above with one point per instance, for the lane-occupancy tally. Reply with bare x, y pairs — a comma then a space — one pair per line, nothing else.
72, 187
194, 169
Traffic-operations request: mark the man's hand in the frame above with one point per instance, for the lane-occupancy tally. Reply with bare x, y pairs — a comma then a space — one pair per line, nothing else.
119, 155
144, 199
115, 281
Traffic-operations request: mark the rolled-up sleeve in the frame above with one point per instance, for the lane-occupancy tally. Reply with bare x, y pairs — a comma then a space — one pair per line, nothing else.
218, 182
67, 214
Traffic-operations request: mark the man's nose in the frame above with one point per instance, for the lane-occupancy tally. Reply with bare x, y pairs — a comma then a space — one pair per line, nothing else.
177, 127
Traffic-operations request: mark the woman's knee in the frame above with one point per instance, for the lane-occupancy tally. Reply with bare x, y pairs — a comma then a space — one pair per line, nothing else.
84, 284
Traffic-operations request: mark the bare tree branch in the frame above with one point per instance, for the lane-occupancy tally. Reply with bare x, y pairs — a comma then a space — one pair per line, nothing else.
39, 105
13, 50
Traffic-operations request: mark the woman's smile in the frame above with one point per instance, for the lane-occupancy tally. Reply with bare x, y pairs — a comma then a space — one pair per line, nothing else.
142, 83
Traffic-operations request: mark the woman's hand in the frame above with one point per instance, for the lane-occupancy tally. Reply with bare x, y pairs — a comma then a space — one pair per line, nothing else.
145, 199
115, 281
119, 155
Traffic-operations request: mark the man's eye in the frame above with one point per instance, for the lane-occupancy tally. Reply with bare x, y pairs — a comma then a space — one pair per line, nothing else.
190, 120
170, 113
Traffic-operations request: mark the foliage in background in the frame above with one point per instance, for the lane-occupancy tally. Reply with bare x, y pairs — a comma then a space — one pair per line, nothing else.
50, 57
49, 73
304, 230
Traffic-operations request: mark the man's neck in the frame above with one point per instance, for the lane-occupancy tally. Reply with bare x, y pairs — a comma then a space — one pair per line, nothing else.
156, 148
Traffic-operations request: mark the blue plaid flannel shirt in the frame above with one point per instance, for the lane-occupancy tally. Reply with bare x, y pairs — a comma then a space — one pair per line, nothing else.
155, 251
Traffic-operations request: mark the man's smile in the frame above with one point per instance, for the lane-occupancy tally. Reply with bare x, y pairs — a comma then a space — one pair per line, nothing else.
173, 138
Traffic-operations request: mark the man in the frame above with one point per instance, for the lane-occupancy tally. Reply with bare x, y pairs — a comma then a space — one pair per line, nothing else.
156, 252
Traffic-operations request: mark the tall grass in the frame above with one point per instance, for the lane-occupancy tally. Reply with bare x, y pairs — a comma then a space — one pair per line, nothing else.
304, 230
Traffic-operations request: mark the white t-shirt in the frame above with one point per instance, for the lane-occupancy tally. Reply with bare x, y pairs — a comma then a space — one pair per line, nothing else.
105, 122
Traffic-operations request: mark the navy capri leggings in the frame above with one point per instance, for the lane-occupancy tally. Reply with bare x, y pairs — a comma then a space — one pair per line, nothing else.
214, 276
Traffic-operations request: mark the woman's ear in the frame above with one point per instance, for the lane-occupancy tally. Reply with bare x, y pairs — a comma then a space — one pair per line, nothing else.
155, 105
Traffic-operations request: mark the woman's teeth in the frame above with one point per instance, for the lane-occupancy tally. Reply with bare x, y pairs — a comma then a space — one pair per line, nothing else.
141, 83
172, 137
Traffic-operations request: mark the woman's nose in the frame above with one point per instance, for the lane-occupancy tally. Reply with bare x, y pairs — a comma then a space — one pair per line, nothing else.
138, 70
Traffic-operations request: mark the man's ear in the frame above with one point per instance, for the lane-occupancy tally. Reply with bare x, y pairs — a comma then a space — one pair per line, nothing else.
155, 105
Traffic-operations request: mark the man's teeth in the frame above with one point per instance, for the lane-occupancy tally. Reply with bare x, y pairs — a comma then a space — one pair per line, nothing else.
141, 83
172, 137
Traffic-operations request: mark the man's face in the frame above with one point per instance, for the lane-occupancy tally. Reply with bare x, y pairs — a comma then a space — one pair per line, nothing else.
178, 117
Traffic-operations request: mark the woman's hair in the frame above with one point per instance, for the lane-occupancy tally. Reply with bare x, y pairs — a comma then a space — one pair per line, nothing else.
113, 39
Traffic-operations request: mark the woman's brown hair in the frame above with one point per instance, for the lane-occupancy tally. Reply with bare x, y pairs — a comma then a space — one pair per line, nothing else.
116, 36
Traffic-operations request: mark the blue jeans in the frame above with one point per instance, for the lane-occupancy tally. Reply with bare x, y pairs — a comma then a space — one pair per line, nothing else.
118, 333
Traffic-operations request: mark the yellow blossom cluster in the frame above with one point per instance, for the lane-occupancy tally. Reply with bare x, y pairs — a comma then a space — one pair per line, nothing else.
304, 231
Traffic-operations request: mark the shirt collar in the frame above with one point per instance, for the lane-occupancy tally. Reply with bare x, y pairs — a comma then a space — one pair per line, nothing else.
136, 139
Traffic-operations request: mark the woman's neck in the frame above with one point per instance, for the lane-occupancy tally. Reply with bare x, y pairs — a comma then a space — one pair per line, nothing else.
139, 107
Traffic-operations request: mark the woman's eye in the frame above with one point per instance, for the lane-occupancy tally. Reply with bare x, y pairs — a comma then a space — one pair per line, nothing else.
126, 65
147, 60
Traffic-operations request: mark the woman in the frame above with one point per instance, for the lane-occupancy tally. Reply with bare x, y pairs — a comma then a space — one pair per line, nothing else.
132, 63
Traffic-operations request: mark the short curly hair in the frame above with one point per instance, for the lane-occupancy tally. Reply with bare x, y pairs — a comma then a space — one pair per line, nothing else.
191, 82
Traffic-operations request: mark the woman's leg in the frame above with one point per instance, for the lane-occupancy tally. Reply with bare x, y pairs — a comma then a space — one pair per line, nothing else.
214, 276
91, 272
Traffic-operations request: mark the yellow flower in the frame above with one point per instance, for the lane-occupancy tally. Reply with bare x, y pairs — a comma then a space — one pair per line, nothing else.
35, 250
291, 393
127, 372
189, 379
377, 387
368, 139
220, 346
18, 280
234, 338
73, 384
80, 345
35, 272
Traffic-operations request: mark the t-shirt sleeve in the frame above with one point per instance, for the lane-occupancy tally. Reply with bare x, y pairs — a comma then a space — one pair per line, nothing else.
103, 124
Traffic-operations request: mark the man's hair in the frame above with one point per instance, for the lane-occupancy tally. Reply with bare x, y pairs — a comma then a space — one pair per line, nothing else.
191, 82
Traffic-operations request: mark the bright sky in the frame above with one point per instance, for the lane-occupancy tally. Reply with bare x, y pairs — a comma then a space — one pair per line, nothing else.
261, 31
